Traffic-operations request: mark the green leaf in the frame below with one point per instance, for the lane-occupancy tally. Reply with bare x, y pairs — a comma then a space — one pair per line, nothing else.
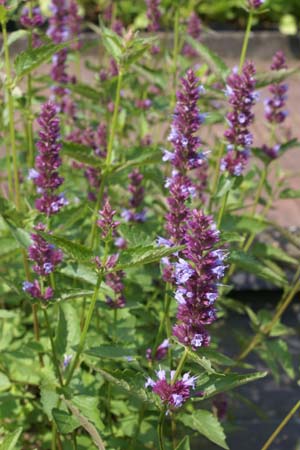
85, 90
143, 255
81, 153
21, 236
65, 421
244, 223
207, 424
109, 351
89, 407
216, 357
269, 251
224, 185
249, 263
15, 36
30, 59
201, 361
279, 349
68, 329
49, 395
80, 272
4, 382
290, 193
212, 59
215, 383
10, 440
77, 251
184, 444
86, 424
111, 41
270, 77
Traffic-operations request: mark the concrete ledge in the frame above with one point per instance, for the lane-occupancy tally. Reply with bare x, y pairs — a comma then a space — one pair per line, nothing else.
262, 45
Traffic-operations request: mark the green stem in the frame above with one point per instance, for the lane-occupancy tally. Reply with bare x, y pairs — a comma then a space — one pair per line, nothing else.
108, 156
222, 210
175, 53
54, 355
11, 113
260, 188
281, 426
160, 430
216, 177
180, 365
29, 102
163, 319
246, 40
85, 329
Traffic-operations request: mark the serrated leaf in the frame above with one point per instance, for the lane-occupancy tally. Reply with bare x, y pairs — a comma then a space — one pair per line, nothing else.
89, 407
210, 57
206, 424
201, 361
21, 236
184, 444
112, 42
10, 440
81, 153
216, 357
109, 351
270, 77
244, 223
30, 59
279, 349
68, 329
249, 263
145, 157
65, 422
144, 255
80, 272
268, 251
215, 383
77, 251
290, 193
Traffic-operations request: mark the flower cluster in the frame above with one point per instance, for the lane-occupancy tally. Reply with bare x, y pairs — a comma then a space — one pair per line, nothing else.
46, 258
255, 4
45, 175
153, 15
172, 393
75, 23
33, 20
274, 112
59, 32
137, 196
194, 30
160, 352
97, 140
113, 279
241, 95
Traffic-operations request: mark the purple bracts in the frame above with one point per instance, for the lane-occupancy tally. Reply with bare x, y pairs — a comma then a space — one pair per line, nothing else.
106, 222
137, 196
45, 175
36, 19
153, 15
193, 30
45, 256
274, 112
172, 394
255, 4
74, 24
241, 96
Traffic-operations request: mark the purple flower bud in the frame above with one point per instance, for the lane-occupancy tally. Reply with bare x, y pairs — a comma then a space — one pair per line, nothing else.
255, 4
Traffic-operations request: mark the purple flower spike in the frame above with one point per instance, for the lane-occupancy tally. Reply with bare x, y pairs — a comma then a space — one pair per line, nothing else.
75, 23
107, 222
241, 96
34, 290
35, 21
45, 176
45, 256
274, 112
194, 30
137, 196
153, 15
173, 395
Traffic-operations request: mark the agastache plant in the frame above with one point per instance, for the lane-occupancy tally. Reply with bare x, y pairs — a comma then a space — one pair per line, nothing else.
241, 97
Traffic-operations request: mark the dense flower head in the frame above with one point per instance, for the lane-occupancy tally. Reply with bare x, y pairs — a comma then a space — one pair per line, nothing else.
115, 281
45, 174
271, 152
45, 255
172, 394
194, 30
106, 222
33, 20
137, 191
241, 97
118, 27
153, 14
255, 4
74, 24
35, 291
274, 111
